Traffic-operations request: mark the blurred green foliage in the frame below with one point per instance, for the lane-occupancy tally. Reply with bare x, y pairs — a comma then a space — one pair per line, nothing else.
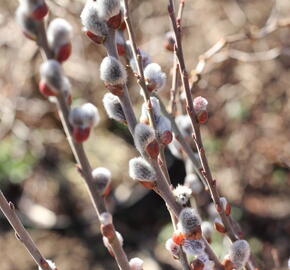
16, 161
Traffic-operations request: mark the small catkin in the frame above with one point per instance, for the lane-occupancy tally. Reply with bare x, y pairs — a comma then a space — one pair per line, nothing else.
193, 247
239, 253
136, 264
28, 25
143, 135
51, 72
102, 179
106, 218
112, 71
107, 8
191, 181
51, 265
35, 9
141, 170
172, 247
154, 76
107, 243
91, 20
85, 116
182, 194
164, 130
59, 33
207, 229
184, 124
113, 107
189, 219
146, 60
200, 104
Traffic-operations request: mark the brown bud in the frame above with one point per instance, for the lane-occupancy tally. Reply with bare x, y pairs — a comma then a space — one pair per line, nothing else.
197, 265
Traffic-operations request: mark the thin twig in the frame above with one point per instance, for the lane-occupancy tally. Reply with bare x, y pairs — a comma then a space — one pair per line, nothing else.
175, 69
163, 188
195, 126
85, 167
8, 210
271, 26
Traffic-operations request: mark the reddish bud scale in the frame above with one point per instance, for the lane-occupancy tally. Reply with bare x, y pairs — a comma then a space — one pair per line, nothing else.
95, 38
81, 134
169, 46
166, 137
39, 12
69, 99
46, 90
227, 263
178, 238
144, 120
197, 265
117, 90
151, 86
148, 184
123, 26
228, 209
202, 117
219, 227
107, 191
121, 49
208, 239
195, 234
108, 231
152, 149
64, 52
29, 35
115, 21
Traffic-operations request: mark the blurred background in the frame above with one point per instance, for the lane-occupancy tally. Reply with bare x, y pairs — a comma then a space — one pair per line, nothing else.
247, 138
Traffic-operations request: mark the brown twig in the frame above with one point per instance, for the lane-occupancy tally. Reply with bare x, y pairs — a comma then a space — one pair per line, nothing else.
271, 26
8, 210
162, 185
85, 167
175, 69
195, 126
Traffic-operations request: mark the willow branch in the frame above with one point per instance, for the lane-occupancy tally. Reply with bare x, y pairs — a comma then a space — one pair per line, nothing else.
8, 210
85, 167
271, 26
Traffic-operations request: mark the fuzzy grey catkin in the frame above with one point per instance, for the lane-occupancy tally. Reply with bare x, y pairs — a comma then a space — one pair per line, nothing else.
102, 178
113, 107
189, 219
59, 33
143, 134
84, 116
112, 71
141, 170
29, 26
91, 20
108, 8
193, 247
239, 253
136, 264
154, 76
51, 72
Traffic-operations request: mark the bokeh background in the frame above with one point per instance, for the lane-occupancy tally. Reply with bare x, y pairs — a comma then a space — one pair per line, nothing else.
247, 138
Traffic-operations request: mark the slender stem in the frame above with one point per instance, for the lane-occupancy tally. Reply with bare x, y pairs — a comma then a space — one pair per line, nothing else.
163, 164
195, 126
186, 147
270, 27
8, 210
81, 158
125, 100
164, 189
174, 85
120, 255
